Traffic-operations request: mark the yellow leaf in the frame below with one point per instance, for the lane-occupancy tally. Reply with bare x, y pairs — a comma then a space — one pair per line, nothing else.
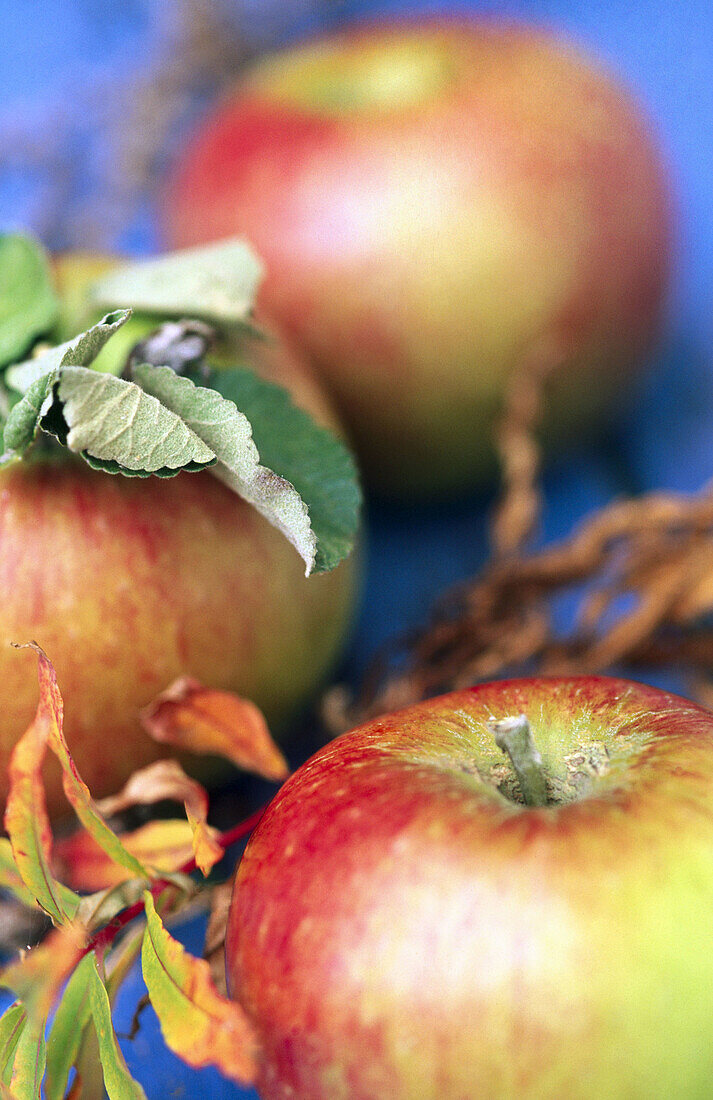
198, 1024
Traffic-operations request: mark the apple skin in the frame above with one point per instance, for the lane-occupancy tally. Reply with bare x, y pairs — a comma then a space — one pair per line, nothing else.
439, 204
128, 583
399, 928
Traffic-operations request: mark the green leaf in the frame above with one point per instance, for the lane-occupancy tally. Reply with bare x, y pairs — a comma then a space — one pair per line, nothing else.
78, 352
215, 283
120, 1085
29, 1067
12, 1023
227, 432
28, 305
65, 1038
310, 457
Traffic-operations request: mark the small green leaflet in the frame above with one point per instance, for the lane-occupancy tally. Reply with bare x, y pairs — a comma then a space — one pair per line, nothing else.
29, 1068
28, 304
12, 1023
317, 463
10, 878
215, 283
35, 379
119, 1083
23, 422
67, 1030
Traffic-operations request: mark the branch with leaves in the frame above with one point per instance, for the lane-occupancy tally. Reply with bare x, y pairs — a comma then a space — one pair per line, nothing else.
66, 985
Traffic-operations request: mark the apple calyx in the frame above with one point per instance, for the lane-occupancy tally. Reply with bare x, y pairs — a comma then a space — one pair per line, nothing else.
513, 736
181, 345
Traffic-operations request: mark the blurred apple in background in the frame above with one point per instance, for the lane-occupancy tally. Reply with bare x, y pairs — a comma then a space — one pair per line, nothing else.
439, 204
403, 926
128, 583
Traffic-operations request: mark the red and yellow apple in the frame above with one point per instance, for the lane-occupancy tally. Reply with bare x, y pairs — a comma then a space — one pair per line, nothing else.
438, 205
403, 926
128, 583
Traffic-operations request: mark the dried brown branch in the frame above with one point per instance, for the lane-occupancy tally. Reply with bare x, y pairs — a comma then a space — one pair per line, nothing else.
214, 946
641, 570
519, 451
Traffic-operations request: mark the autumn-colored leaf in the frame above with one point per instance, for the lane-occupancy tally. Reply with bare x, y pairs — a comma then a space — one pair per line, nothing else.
83, 865
166, 780
26, 820
198, 1024
37, 977
51, 709
204, 720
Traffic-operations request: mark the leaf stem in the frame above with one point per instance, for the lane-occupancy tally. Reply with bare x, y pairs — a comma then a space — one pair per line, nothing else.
106, 935
514, 736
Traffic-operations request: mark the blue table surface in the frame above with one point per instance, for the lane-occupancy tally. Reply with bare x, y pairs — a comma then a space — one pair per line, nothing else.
54, 51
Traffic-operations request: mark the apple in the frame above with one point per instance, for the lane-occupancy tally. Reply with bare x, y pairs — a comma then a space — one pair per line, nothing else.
439, 204
128, 583
404, 926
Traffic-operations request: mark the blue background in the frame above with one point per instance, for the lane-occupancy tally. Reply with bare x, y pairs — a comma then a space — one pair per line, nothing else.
59, 59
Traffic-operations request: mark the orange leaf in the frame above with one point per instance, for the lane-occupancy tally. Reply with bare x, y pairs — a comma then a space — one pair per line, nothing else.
51, 713
166, 779
26, 820
83, 865
197, 1023
203, 720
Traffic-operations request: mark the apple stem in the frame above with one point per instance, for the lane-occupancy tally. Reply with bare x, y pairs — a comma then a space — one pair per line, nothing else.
514, 737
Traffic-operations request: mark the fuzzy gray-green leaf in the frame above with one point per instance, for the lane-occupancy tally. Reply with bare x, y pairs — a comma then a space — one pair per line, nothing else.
227, 432
23, 421
318, 464
216, 283
115, 420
